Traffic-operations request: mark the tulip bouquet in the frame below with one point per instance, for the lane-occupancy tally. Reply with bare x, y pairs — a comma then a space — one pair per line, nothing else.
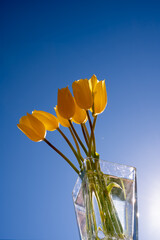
89, 100
88, 95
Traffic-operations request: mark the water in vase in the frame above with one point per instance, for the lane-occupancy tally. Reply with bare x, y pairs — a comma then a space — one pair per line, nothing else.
123, 199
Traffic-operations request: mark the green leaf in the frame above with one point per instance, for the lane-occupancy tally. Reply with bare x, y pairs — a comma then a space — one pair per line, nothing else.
112, 185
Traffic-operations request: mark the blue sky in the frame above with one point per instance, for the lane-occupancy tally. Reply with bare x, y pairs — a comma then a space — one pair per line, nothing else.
46, 45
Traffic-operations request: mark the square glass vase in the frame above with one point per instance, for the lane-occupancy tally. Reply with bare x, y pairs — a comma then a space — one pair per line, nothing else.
105, 201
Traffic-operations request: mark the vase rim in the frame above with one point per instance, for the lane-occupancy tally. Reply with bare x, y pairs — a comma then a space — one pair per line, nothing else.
121, 164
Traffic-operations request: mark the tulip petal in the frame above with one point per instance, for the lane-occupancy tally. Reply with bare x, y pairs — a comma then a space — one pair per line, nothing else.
37, 126
93, 82
49, 120
30, 133
82, 93
64, 122
100, 97
80, 115
65, 103
25, 121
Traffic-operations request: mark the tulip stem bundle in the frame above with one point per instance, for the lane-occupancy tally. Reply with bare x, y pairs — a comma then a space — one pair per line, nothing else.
88, 95
78, 138
92, 137
76, 143
94, 122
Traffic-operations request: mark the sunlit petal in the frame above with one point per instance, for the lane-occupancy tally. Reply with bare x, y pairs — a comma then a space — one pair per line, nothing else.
64, 122
37, 125
80, 115
65, 103
82, 93
93, 82
49, 120
100, 97
30, 133
25, 121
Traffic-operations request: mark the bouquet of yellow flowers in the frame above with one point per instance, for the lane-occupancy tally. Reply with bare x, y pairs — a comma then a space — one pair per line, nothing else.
89, 95
96, 212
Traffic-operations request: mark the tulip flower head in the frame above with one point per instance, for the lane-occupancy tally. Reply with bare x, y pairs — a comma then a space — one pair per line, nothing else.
82, 93
32, 128
49, 120
65, 105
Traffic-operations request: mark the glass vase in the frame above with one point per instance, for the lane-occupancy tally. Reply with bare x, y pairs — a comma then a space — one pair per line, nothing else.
105, 200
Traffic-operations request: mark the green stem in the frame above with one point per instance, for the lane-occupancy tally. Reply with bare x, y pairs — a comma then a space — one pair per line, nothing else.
71, 146
62, 155
94, 141
92, 137
124, 193
86, 130
111, 224
112, 210
94, 145
89, 119
79, 140
84, 134
76, 143
94, 122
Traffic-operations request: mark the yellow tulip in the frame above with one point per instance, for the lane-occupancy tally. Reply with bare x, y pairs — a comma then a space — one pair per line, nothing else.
80, 115
32, 128
100, 97
50, 121
65, 105
82, 93
64, 122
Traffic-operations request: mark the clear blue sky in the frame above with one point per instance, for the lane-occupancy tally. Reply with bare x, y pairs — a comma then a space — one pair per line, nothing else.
46, 45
